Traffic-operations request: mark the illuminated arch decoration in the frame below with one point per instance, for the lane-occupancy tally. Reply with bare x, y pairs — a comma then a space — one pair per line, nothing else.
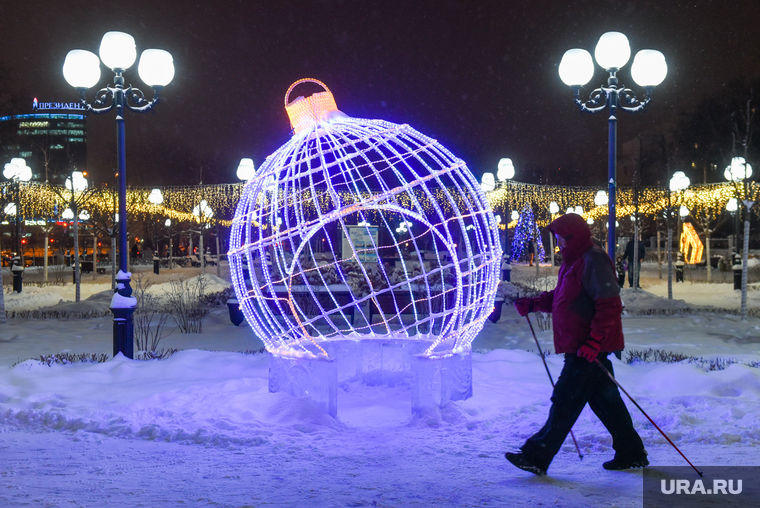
691, 245
318, 228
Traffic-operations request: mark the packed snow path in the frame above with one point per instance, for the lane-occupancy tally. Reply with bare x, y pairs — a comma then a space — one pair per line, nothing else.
200, 429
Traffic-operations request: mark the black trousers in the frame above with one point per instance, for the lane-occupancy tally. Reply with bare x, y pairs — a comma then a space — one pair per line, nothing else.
579, 383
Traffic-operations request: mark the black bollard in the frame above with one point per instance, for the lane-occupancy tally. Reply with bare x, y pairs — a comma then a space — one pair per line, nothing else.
737, 267
236, 314
18, 275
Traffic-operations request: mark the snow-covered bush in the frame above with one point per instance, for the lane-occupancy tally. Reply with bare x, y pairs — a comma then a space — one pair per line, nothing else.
184, 301
59, 274
708, 364
507, 291
150, 317
218, 299
68, 358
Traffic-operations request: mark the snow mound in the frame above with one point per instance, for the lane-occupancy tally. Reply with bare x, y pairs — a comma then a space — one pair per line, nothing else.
47, 299
640, 301
222, 399
99, 302
215, 399
31, 298
213, 283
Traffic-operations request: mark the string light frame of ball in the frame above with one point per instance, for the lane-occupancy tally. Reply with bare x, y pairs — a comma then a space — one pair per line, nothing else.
320, 222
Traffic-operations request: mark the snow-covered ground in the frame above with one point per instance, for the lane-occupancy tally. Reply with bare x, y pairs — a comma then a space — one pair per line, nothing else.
201, 429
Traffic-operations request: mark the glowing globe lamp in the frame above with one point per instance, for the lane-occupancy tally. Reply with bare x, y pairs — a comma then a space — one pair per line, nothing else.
118, 50
156, 67
576, 67
487, 182
612, 51
649, 68
81, 68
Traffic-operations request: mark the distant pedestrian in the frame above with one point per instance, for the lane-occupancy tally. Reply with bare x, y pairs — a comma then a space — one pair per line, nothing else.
679, 264
531, 251
586, 310
620, 269
634, 265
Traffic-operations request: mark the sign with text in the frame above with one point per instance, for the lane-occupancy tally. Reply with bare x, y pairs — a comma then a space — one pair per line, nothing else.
364, 240
680, 486
36, 105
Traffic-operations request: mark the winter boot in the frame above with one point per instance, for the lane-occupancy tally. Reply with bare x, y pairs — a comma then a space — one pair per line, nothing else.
620, 463
523, 462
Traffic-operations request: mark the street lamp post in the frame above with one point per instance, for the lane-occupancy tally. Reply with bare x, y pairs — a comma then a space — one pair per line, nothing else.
156, 198
612, 52
76, 183
601, 199
733, 207
168, 224
679, 182
737, 173
17, 171
505, 171
553, 210
203, 212
82, 71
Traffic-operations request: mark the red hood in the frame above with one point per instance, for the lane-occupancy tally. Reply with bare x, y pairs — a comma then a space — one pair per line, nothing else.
576, 233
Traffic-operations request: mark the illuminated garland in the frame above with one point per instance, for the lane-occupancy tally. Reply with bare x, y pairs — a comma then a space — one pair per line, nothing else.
653, 201
38, 200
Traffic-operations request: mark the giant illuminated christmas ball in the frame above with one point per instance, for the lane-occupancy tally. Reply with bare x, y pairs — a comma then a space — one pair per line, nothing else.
362, 229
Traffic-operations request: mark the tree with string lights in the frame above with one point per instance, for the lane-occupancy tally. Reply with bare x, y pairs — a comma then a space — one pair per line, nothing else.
527, 230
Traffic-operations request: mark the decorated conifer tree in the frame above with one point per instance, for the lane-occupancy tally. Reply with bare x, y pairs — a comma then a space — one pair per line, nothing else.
526, 230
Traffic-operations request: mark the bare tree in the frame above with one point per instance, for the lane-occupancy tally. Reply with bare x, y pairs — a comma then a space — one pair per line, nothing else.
77, 200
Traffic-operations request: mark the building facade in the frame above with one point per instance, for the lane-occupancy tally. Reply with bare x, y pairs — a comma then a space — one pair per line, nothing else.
51, 137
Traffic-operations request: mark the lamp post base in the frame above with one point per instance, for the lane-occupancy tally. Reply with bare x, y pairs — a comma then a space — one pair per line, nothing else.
123, 332
123, 306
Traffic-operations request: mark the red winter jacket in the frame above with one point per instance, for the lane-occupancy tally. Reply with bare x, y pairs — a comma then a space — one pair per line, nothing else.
586, 301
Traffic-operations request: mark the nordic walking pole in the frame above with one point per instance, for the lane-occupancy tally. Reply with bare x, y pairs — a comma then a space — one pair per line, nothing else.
577, 448
645, 414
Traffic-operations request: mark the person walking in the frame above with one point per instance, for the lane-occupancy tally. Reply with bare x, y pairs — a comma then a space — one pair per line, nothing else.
628, 255
586, 309
531, 251
620, 269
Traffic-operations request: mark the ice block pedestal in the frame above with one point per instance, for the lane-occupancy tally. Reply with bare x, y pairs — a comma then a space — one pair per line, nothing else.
315, 378
437, 380
433, 381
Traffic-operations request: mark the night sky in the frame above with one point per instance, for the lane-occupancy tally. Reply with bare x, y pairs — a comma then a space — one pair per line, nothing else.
480, 77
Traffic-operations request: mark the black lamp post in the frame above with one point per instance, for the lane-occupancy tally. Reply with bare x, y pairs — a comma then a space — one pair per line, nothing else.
505, 172
17, 171
612, 52
82, 71
737, 173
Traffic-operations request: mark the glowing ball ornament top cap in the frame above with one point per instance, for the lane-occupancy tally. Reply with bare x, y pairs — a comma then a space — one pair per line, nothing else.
362, 229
